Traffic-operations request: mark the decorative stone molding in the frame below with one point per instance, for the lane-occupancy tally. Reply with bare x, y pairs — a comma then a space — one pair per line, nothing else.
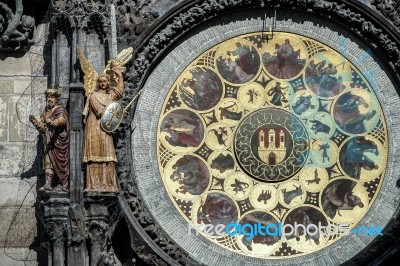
94, 5
390, 9
16, 30
79, 7
83, 11
63, 5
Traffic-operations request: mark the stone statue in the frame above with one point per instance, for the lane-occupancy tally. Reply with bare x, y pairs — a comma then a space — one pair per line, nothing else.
16, 30
98, 151
54, 126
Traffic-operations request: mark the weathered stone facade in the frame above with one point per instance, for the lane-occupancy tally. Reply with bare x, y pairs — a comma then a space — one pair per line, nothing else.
21, 93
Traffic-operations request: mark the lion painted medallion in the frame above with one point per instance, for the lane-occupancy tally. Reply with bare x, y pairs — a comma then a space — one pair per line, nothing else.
282, 131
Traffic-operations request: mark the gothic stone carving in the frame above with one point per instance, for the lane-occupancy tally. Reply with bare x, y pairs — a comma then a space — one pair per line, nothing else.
149, 259
86, 14
94, 5
390, 9
193, 14
57, 226
63, 5
99, 230
79, 7
154, 231
56, 217
16, 29
132, 20
77, 225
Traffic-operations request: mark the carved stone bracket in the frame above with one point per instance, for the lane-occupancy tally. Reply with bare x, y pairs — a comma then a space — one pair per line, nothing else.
160, 37
57, 226
16, 30
99, 228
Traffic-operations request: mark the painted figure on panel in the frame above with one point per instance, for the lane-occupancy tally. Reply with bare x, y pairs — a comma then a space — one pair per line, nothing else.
252, 95
191, 174
306, 216
355, 113
323, 78
217, 209
357, 154
54, 126
221, 134
240, 64
278, 95
182, 128
339, 195
230, 112
263, 219
303, 104
98, 150
223, 163
318, 126
201, 88
285, 63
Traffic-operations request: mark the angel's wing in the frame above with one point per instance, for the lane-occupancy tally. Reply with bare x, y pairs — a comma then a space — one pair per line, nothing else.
122, 59
90, 78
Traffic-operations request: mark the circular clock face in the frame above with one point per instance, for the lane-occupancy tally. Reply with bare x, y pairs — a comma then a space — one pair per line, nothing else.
272, 132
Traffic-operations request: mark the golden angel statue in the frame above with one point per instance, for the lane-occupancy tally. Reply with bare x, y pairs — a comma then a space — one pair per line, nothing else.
98, 150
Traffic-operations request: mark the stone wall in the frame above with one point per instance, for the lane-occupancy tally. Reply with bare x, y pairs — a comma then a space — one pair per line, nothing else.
22, 83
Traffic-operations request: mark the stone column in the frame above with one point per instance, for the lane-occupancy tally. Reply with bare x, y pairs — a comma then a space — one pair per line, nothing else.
57, 227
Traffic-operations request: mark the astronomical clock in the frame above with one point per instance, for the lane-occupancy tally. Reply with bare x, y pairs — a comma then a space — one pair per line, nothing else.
245, 123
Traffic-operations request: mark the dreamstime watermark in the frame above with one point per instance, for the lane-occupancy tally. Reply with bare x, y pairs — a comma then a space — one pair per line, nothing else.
282, 230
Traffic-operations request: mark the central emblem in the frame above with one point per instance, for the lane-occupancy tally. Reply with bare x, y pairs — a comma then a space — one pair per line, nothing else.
274, 143
271, 144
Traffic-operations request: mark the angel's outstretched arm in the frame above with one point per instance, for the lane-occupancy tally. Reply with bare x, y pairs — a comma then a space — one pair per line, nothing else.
117, 92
